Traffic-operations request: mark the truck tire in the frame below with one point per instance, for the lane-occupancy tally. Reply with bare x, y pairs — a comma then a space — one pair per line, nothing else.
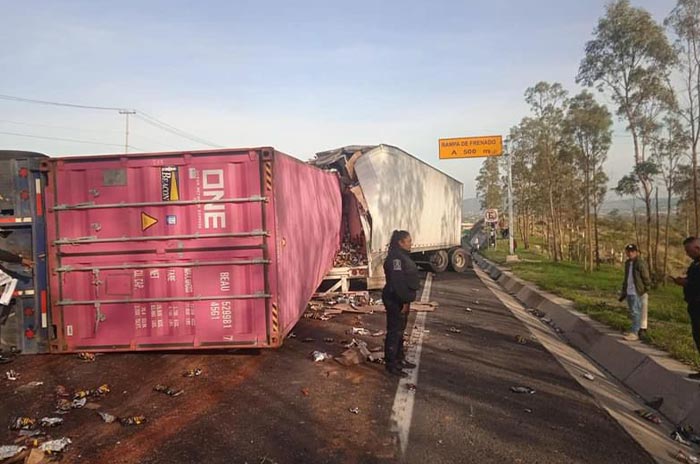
438, 261
459, 259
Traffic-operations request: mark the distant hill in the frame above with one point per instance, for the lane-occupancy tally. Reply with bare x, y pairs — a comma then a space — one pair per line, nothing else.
472, 208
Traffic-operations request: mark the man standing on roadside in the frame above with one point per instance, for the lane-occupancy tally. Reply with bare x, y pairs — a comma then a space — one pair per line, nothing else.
691, 290
636, 284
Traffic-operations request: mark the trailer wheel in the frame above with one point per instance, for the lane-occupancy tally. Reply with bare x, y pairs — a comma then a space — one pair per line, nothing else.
438, 261
459, 259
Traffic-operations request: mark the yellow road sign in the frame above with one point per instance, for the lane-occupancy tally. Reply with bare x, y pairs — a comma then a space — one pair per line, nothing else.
471, 147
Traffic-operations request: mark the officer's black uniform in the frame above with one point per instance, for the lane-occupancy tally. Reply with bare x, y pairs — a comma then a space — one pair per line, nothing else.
691, 293
402, 283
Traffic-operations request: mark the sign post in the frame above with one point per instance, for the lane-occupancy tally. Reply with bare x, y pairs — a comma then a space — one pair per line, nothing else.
511, 222
480, 147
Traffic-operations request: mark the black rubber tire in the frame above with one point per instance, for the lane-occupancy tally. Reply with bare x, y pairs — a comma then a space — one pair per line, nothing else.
438, 261
460, 260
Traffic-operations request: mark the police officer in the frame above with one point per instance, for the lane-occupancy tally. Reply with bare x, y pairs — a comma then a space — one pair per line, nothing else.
402, 283
691, 290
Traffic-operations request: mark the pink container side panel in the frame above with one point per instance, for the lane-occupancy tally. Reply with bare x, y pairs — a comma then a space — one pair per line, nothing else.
308, 209
157, 185
190, 306
162, 273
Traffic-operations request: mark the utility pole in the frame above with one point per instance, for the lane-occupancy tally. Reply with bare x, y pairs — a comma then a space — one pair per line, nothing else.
126, 142
511, 220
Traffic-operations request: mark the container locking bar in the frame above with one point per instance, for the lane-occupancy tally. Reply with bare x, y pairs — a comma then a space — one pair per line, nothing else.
256, 296
91, 205
122, 267
93, 239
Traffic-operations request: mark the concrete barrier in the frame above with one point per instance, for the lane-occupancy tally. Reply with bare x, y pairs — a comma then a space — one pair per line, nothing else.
648, 372
564, 319
618, 357
658, 377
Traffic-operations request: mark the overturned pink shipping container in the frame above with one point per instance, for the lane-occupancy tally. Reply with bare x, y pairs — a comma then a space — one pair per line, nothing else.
205, 249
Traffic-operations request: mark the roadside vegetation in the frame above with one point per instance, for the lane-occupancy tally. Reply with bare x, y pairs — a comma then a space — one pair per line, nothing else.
646, 75
596, 294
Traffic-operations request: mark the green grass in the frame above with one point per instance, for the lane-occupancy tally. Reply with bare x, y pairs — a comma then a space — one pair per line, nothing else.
596, 294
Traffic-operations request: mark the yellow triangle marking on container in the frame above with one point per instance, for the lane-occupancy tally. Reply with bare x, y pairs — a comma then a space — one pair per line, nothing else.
147, 221
174, 190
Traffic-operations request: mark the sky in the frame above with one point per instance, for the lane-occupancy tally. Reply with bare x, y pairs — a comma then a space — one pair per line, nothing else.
303, 76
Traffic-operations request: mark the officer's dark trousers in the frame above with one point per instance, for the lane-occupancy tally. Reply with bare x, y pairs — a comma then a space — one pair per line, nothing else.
694, 313
396, 321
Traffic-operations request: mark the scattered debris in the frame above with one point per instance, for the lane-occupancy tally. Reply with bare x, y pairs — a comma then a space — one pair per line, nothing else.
537, 313
168, 390
686, 458
355, 410
676, 436
378, 333
63, 406
196, 372
102, 390
350, 357
454, 330
649, 416
7, 452
329, 340
469, 310
30, 433
588, 376
22, 423
61, 391
518, 389
292, 335
351, 254
411, 387
360, 331
655, 403
107, 417
132, 420
376, 357
55, 446
12, 375
685, 434
305, 391
51, 421
36, 456
28, 386
319, 356
78, 403
521, 340
528, 410
86, 357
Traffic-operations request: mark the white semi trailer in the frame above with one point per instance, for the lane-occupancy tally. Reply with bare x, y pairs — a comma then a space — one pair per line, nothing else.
385, 188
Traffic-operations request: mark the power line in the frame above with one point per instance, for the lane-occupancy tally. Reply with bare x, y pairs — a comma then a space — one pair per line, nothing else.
51, 126
152, 120
17, 134
113, 131
173, 130
52, 103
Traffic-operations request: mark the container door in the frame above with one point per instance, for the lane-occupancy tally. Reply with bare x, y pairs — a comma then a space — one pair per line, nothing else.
157, 253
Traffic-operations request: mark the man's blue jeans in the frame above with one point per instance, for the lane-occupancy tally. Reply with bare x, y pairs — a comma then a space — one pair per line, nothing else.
634, 302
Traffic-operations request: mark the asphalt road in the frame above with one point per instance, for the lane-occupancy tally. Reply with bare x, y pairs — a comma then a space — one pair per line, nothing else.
465, 410
281, 407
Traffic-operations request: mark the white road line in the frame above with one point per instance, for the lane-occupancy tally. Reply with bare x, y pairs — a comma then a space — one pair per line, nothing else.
402, 411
